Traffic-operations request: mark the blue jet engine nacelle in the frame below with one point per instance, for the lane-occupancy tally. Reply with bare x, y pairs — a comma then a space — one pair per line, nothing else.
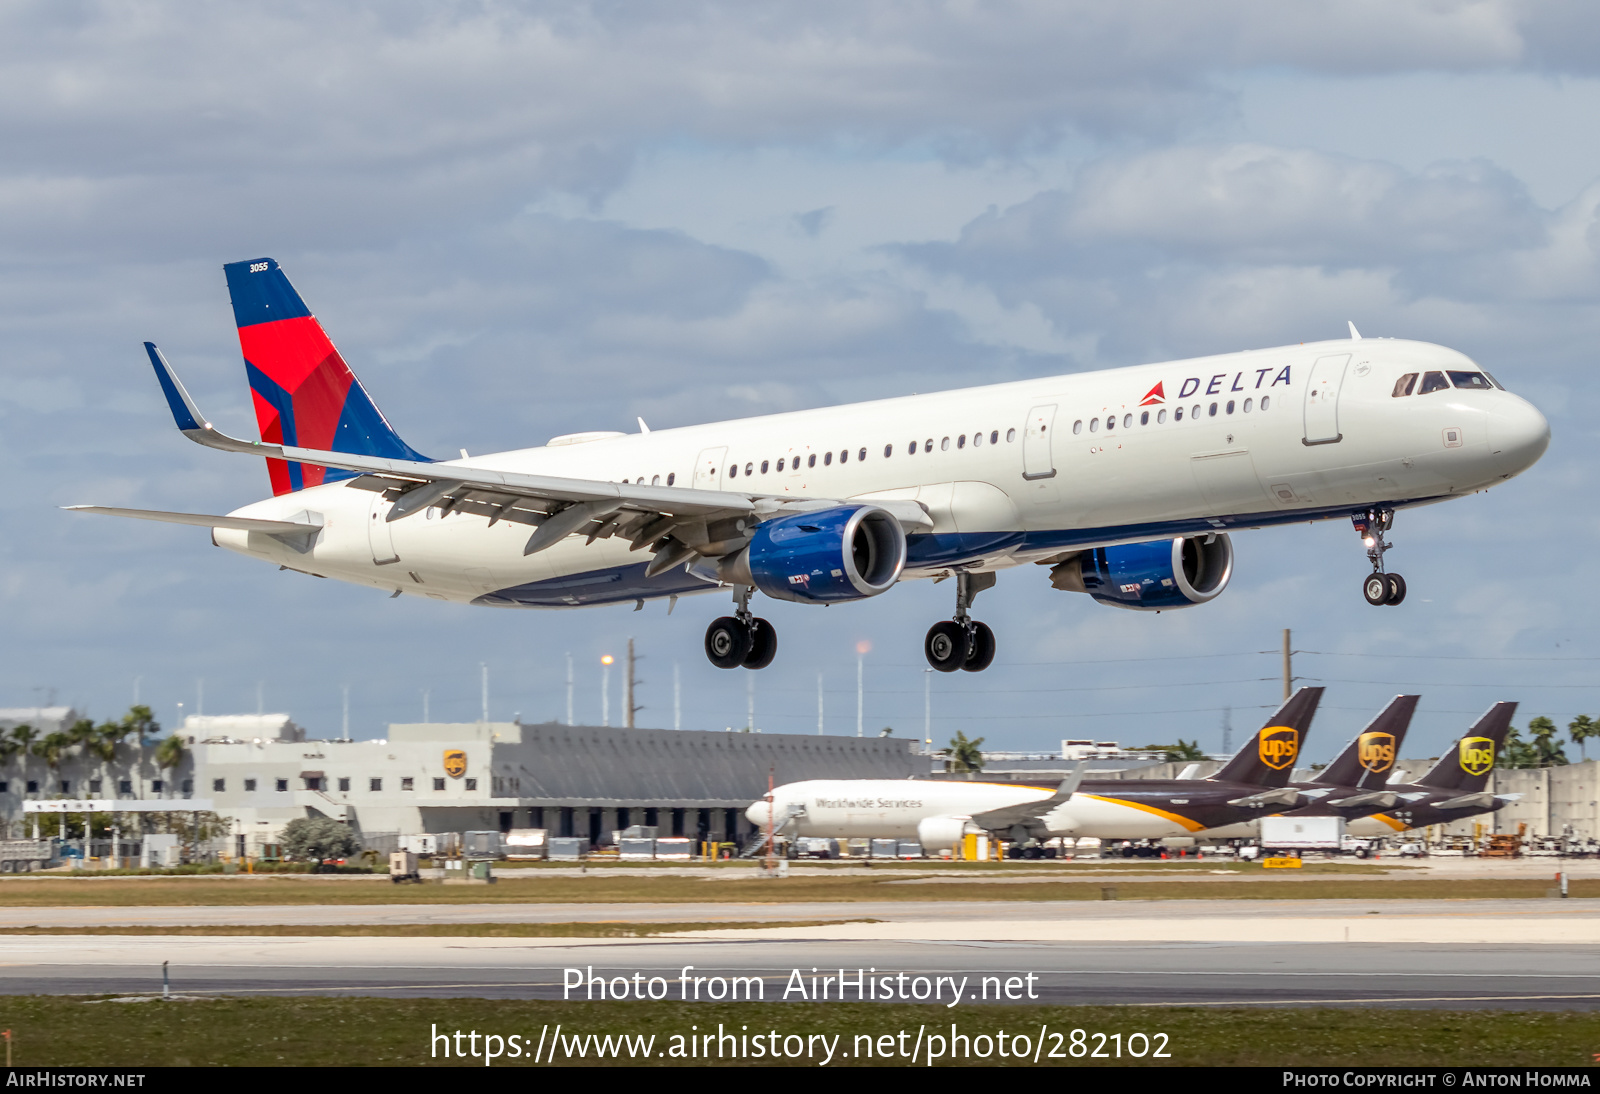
1150, 577
849, 552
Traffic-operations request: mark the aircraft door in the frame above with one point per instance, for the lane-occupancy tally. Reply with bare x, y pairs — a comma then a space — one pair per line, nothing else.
1322, 400
380, 535
708, 469
1036, 459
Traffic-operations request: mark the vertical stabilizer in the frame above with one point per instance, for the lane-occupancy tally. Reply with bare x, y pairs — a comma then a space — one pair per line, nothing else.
1466, 765
1367, 761
1268, 758
304, 393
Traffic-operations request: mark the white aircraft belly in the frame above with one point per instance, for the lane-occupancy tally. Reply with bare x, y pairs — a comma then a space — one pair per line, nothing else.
1086, 815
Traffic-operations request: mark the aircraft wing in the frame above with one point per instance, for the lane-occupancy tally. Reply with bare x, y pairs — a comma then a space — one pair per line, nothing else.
1009, 816
555, 506
200, 520
1286, 795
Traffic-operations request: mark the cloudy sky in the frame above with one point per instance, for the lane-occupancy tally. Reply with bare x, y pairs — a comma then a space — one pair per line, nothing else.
520, 220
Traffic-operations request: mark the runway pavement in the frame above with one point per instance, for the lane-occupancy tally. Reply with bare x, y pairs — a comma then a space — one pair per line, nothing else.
1494, 954
1209, 974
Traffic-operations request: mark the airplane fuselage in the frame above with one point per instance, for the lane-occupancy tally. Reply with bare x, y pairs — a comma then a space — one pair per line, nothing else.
1010, 473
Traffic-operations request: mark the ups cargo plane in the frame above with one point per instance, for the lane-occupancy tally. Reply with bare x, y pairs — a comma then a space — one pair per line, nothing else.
1454, 789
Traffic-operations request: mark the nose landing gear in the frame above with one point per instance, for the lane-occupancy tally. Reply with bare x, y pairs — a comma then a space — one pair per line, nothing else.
962, 643
1378, 587
741, 639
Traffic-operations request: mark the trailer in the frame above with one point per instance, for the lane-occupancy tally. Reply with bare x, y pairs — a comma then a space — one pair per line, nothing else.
1302, 833
20, 856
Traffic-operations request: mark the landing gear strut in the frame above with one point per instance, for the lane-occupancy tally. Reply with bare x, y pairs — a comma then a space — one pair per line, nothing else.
741, 639
962, 642
1378, 587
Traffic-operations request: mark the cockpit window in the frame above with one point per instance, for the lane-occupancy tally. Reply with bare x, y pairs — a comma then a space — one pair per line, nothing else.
1434, 381
1471, 380
1405, 385
1493, 381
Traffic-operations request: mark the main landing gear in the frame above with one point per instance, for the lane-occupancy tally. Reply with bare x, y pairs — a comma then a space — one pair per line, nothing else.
962, 642
1378, 587
741, 638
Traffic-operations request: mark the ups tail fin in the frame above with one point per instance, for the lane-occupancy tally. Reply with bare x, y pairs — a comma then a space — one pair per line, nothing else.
305, 395
1367, 761
1268, 758
1467, 763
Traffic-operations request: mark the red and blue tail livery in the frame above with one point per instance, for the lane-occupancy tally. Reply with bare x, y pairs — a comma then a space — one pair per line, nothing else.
305, 395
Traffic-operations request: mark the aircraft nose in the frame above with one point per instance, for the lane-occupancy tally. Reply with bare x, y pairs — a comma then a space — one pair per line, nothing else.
1518, 433
758, 813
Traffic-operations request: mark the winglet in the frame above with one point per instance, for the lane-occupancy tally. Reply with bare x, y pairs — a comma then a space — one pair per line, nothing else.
191, 423
1355, 335
188, 415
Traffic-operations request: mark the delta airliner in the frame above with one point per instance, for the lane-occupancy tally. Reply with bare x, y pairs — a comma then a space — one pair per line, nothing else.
1126, 482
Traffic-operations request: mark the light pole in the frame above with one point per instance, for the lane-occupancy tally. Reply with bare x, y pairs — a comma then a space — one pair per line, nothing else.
863, 647
605, 689
927, 709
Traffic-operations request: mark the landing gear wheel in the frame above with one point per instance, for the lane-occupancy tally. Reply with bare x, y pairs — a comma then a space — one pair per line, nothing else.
1375, 588
1397, 589
728, 642
763, 645
981, 654
947, 645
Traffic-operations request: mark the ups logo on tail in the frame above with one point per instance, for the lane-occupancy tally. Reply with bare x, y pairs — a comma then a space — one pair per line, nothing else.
1477, 755
1278, 746
1376, 752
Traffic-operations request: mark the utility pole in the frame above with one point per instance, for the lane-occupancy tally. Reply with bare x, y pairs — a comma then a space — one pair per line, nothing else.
927, 708
750, 702
1227, 731
819, 704
1288, 675
345, 721
569, 688
861, 668
483, 673
677, 698
425, 717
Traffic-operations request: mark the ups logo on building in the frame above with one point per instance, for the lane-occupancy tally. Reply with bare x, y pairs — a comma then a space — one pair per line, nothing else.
1278, 746
455, 762
1376, 752
1477, 755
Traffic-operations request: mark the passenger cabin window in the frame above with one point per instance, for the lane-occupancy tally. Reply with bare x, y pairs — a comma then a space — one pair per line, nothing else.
1212, 412
1266, 401
888, 450
961, 441
927, 445
862, 454
1405, 385
672, 477
811, 460
1077, 426
1094, 425
1111, 422
1011, 435
994, 436
1161, 417
1230, 406
844, 457
977, 440
912, 448
1434, 381
733, 472
763, 467
1470, 380
1144, 417
827, 458
749, 469
1127, 421
1247, 403
780, 465
944, 445
1177, 414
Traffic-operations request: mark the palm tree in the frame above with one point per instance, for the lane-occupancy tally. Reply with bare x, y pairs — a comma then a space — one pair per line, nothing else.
170, 753
1583, 729
1543, 732
964, 755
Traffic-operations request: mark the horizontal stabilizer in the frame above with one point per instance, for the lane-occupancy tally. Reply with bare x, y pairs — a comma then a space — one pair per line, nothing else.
1468, 801
1286, 795
200, 520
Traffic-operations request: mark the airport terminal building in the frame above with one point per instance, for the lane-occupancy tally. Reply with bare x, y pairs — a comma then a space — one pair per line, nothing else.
455, 777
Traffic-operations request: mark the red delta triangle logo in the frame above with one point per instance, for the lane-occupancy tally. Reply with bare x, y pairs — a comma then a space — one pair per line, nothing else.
1153, 396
